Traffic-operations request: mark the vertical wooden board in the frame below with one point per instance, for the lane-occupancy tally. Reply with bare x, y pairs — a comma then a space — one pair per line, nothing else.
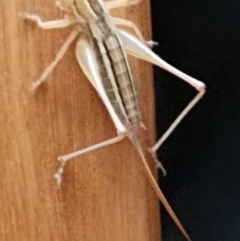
105, 194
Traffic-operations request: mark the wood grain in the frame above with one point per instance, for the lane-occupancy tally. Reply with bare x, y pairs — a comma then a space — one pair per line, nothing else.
105, 195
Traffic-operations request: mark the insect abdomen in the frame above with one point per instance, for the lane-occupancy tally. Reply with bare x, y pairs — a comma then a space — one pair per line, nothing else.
123, 78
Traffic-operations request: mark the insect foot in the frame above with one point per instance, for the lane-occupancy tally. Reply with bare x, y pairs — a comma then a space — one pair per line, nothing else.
151, 44
157, 162
33, 17
35, 84
58, 174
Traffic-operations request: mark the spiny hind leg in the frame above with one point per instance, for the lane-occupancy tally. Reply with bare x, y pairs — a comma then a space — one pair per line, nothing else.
133, 26
200, 87
177, 121
121, 3
134, 47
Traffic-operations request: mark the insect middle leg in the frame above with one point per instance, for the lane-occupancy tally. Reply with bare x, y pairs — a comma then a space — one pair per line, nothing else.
119, 21
58, 57
121, 3
133, 26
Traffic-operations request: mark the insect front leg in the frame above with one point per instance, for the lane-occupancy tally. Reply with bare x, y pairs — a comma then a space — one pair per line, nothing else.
129, 24
87, 62
137, 49
121, 3
54, 24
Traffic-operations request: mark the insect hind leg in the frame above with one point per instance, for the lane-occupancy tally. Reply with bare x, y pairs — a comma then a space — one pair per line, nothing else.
134, 47
186, 110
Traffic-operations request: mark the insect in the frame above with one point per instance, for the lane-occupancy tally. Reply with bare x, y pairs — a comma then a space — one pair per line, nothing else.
102, 55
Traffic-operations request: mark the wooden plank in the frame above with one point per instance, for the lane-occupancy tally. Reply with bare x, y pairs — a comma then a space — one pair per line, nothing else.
105, 195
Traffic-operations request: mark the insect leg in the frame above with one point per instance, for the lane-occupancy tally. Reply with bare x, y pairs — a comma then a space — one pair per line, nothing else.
87, 62
136, 48
58, 57
64, 159
129, 24
121, 3
55, 24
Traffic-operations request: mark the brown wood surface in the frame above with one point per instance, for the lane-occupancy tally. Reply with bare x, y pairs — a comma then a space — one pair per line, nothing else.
105, 195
